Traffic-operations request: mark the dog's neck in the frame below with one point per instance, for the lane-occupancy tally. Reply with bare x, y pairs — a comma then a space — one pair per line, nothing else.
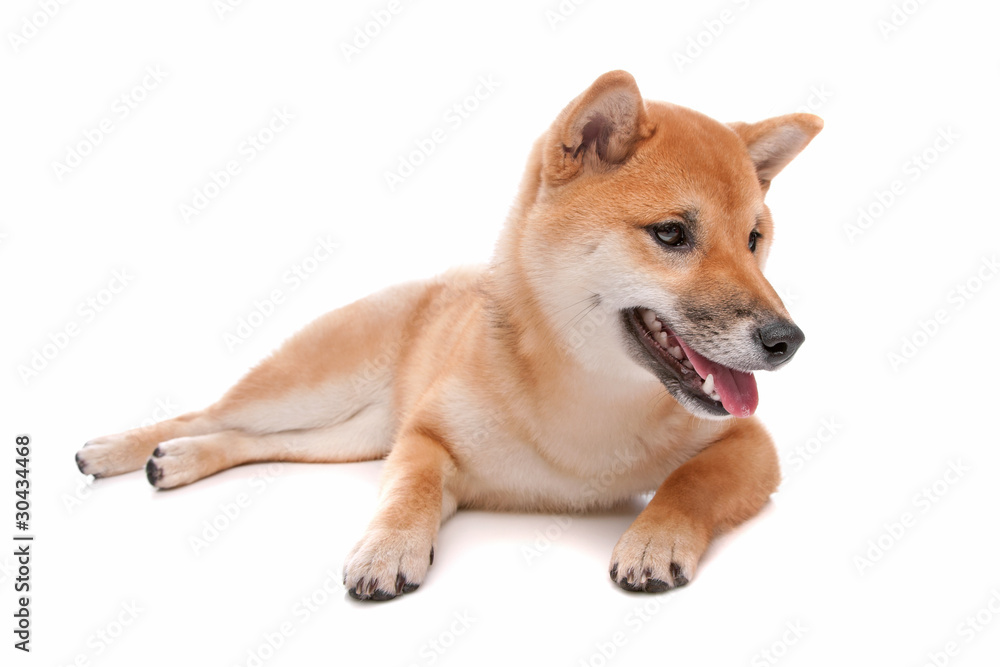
522, 327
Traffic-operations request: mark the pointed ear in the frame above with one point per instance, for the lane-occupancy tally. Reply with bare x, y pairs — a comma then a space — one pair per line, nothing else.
598, 130
772, 143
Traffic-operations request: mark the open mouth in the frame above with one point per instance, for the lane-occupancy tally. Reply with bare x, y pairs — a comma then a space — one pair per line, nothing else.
717, 389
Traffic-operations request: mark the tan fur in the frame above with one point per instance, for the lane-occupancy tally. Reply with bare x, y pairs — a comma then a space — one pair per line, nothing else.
478, 386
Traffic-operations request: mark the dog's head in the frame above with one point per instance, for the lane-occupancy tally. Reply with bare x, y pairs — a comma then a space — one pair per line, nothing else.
647, 221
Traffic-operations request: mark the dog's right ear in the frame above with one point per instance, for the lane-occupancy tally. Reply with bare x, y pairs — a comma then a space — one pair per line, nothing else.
597, 131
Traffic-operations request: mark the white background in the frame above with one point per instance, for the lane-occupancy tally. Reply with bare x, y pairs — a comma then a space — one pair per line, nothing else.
878, 433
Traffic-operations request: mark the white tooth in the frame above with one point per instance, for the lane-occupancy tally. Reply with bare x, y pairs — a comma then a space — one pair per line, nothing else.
709, 385
687, 364
676, 352
715, 396
661, 338
656, 326
648, 317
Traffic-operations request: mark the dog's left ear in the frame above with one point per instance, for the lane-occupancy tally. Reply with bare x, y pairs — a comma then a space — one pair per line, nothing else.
598, 130
772, 143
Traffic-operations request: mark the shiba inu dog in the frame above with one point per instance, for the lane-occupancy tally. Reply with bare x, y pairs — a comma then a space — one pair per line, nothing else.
643, 221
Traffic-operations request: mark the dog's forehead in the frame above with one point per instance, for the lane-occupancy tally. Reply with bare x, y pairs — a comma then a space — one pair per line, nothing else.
699, 161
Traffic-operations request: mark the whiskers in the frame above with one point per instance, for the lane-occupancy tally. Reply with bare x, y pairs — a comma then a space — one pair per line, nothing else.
587, 306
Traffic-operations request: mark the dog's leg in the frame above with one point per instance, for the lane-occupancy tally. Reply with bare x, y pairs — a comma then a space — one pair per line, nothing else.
124, 452
719, 488
184, 460
338, 368
393, 556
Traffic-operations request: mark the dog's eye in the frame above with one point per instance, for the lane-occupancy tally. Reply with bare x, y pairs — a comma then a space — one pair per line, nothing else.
754, 235
670, 235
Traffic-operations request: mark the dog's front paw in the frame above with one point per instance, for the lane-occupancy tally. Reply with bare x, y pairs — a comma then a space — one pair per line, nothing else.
387, 563
658, 555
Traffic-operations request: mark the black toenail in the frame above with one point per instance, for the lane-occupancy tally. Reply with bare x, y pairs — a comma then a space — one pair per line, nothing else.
153, 473
656, 586
678, 575
381, 596
629, 587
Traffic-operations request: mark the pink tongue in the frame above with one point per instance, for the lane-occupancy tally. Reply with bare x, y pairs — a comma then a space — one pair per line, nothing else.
737, 390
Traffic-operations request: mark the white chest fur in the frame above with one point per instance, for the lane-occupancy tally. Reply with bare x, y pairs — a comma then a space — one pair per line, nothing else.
591, 449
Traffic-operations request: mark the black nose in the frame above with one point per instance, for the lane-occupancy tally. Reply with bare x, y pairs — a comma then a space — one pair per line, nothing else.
780, 340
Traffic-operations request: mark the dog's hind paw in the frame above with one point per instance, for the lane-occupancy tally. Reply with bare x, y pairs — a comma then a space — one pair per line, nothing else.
177, 462
108, 456
387, 563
